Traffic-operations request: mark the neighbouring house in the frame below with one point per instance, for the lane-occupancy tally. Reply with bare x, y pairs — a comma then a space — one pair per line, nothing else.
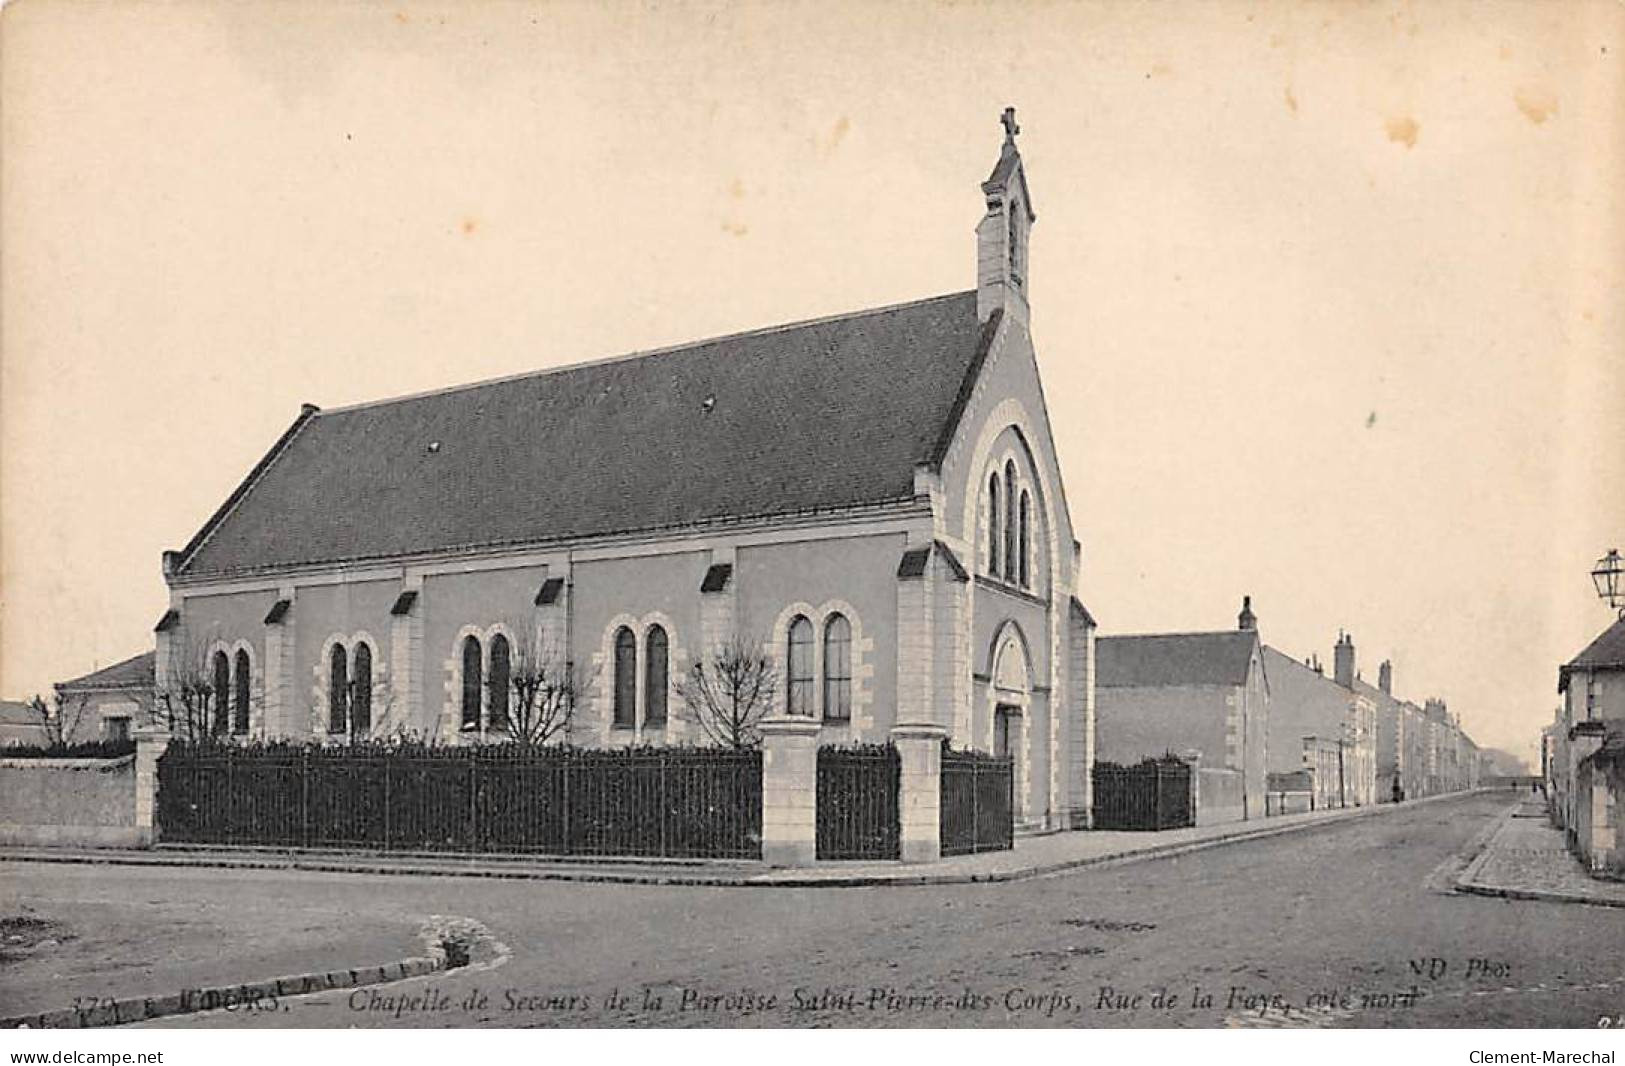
20, 726
1599, 815
1318, 724
109, 703
1592, 685
1205, 696
872, 498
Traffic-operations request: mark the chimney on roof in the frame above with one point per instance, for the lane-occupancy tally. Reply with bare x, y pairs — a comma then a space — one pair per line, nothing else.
1343, 661
1001, 236
1246, 619
1385, 678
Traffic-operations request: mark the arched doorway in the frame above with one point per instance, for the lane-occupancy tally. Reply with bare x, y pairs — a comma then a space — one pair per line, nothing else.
1010, 706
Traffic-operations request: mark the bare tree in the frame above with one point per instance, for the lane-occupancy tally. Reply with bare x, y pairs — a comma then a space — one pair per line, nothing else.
60, 721
544, 689
190, 703
728, 691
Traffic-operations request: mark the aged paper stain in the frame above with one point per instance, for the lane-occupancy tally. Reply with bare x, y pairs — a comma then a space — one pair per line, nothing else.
1403, 130
470, 224
1536, 104
1291, 100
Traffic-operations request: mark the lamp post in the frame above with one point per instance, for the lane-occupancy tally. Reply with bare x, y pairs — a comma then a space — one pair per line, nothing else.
1609, 577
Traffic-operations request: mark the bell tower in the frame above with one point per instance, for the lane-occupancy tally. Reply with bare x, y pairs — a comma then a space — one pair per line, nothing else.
1002, 235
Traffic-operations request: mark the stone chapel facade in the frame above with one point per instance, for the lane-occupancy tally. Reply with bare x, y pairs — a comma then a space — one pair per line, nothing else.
873, 496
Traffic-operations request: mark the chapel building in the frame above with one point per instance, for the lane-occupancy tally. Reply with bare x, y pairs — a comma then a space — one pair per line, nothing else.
874, 497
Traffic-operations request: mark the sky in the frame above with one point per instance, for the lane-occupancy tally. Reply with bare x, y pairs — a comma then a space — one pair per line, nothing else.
1327, 297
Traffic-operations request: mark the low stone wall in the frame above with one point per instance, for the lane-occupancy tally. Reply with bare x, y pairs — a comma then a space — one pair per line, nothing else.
1279, 802
79, 802
1218, 796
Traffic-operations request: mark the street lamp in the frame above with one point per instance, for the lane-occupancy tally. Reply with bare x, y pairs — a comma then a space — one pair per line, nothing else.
1609, 577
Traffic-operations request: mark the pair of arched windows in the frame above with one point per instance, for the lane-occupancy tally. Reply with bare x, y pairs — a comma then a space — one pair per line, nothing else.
1009, 528
656, 649
486, 683
800, 682
349, 689
231, 692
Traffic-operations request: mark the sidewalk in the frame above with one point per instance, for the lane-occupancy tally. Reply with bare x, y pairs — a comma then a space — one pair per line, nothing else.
1526, 859
1033, 856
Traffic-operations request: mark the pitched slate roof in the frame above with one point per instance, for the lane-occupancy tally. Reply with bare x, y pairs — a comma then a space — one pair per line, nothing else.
19, 724
134, 672
1160, 659
1607, 652
18, 713
818, 416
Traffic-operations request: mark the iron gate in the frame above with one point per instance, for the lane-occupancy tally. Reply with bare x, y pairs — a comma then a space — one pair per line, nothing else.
857, 802
1156, 794
977, 808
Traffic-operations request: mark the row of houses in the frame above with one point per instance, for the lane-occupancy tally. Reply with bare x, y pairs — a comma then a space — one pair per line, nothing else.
1583, 753
1270, 733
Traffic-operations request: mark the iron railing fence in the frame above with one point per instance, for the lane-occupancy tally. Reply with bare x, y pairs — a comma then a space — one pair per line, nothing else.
1155, 794
977, 804
857, 815
658, 802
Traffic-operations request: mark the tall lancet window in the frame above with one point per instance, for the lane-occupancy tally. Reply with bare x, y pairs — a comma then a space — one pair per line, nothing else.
1026, 546
626, 679
361, 692
800, 673
499, 682
222, 691
1010, 521
655, 678
473, 664
338, 690
993, 514
241, 687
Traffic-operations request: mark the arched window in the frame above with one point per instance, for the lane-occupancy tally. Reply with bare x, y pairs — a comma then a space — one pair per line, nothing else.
222, 691
473, 668
500, 680
1010, 520
837, 669
800, 674
338, 690
993, 515
654, 678
239, 694
361, 692
1026, 546
626, 679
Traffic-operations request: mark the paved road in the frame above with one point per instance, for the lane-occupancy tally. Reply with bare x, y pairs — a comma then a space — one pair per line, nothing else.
1342, 926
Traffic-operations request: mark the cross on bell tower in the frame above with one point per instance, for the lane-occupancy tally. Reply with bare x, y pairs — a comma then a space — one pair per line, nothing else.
1008, 119
1001, 237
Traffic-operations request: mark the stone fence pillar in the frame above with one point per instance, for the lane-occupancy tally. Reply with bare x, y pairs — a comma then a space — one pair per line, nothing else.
150, 744
789, 790
919, 804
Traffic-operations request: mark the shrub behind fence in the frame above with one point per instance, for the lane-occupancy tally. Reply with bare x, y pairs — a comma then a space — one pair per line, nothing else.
668, 802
